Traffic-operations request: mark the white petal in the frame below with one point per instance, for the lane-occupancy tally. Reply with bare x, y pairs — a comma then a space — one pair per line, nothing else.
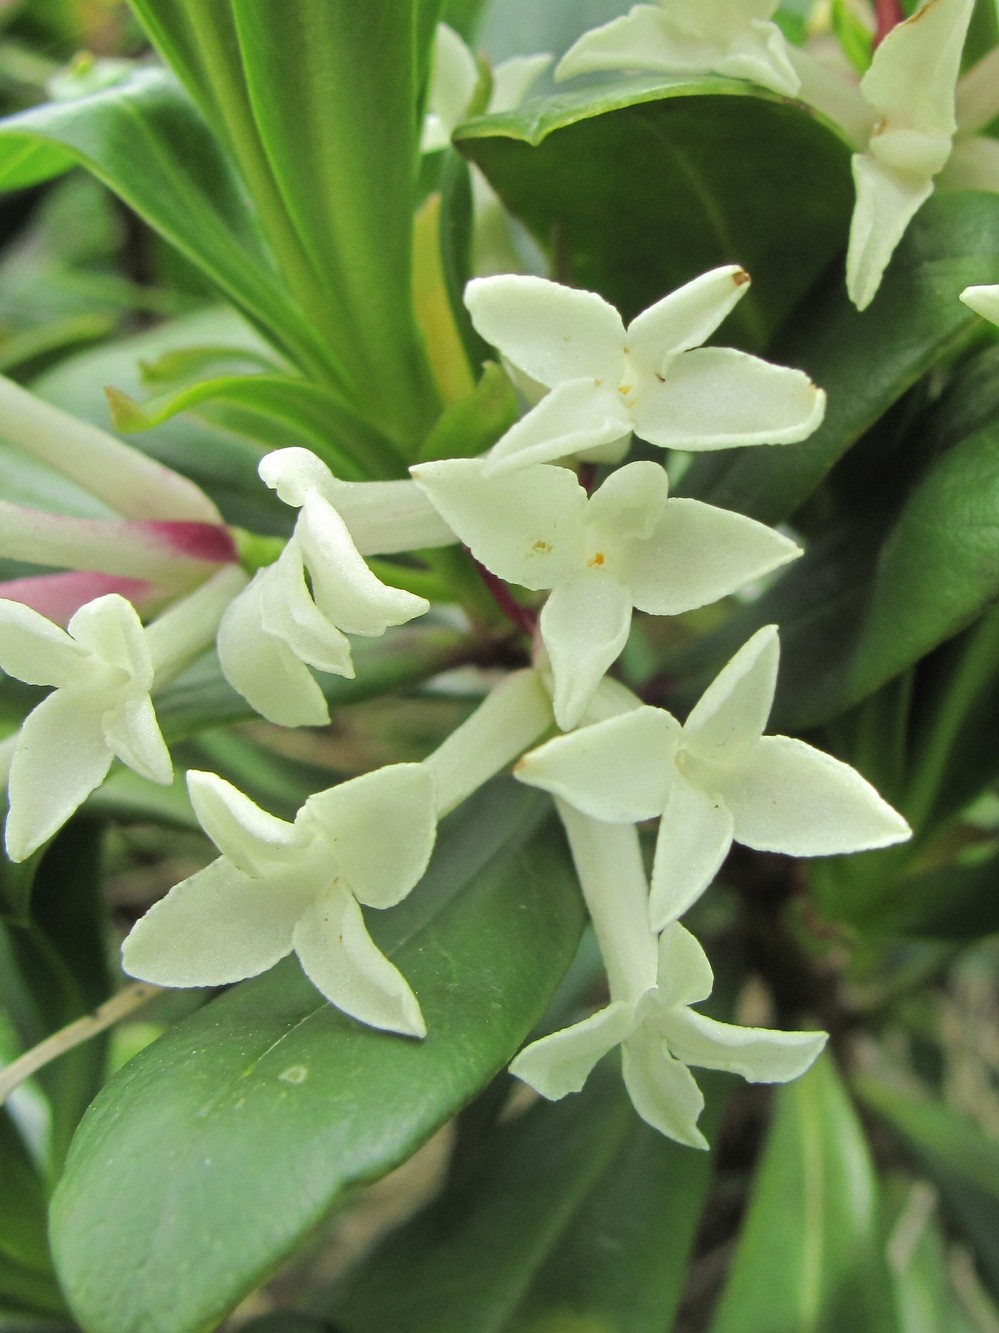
297, 473
381, 828
344, 588
786, 796
618, 771
60, 757
263, 669
718, 398
700, 553
584, 626
641, 39
342, 961
694, 838
976, 99
887, 200
732, 712
973, 164
913, 73
35, 650
833, 90
288, 614
513, 80
685, 318
662, 1090
685, 975
630, 503
132, 732
526, 527
561, 1063
110, 627
576, 417
762, 55
454, 76
552, 333
256, 842
983, 301
216, 927
760, 1055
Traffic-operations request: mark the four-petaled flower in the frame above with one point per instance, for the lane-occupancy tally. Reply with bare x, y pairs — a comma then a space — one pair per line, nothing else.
653, 378
281, 622
100, 709
660, 1035
715, 780
628, 545
729, 37
280, 886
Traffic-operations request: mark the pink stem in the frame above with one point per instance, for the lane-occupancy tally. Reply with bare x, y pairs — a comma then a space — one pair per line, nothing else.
60, 596
518, 615
887, 13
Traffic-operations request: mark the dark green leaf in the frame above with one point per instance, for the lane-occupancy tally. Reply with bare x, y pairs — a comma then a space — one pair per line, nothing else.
684, 176
808, 1255
958, 1158
268, 1105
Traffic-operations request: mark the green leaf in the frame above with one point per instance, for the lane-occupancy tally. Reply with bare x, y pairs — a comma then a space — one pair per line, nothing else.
917, 1259
684, 176
808, 1259
573, 1215
474, 423
865, 362
145, 141
958, 1158
271, 1077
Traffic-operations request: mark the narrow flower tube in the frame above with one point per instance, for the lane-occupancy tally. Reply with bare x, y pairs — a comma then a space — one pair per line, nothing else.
59, 596
132, 484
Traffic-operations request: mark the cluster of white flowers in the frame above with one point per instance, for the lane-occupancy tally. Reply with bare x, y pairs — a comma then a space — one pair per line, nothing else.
530, 516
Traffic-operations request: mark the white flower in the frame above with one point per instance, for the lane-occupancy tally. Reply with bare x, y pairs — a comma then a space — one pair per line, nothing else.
100, 709
910, 90
983, 301
728, 37
653, 378
652, 986
628, 545
715, 780
282, 622
280, 886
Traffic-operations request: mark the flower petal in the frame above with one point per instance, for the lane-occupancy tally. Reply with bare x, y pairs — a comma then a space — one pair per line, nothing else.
381, 828
253, 840
983, 301
552, 333
630, 503
718, 398
662, 1090
110, 627
132, 732
699, 553
760, 1055
887, 200
694, 838
732, 712
913, 73
454, 77
35, 650
973, 163
342, 961
513, 80
526, 527
215, 927
263, 669
685, 975
685, 318
288, 614
576, 417
584, 626
561, 1063
787, 797
61, 756
343, 587
618, 771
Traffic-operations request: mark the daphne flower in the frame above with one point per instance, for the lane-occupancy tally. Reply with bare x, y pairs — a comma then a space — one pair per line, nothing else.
628, 545
728, 37
983, 301
282, 625
279, 887
910, 90
652, 986
715, 780
653, 378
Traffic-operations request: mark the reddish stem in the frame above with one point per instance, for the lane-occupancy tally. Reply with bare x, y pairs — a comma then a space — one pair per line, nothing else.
518, 615
887, 13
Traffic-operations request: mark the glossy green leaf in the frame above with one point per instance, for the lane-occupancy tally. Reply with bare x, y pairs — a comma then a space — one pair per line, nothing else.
957, 1156
572, 1215
684, 176
145, 141
865, 362
808, 1258
270, 1077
